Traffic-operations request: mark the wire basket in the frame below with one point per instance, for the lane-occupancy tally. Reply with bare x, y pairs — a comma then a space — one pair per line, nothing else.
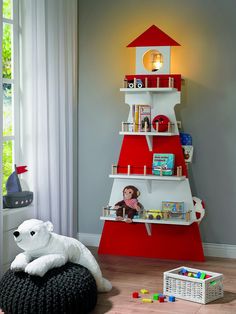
193, 289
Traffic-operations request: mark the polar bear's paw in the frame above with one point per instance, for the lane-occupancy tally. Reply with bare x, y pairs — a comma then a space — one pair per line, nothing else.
18, 265
105, 286
35, 269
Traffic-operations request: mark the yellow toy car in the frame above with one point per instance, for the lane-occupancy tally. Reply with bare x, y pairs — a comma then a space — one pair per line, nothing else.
153, 214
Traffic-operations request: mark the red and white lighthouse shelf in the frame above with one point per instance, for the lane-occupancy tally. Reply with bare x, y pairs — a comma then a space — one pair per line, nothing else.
164, 238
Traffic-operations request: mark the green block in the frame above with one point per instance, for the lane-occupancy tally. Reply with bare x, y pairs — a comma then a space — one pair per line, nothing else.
203, 275
155, 296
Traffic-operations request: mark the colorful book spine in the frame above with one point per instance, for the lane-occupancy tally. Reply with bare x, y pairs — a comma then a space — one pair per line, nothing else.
136, 118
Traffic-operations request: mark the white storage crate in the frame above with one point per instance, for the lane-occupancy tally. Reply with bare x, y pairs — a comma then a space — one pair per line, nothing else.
193, 289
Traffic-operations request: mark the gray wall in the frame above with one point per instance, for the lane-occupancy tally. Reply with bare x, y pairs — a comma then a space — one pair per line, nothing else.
206, 59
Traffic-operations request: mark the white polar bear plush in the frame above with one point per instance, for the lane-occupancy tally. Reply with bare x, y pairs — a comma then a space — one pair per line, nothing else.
44, 250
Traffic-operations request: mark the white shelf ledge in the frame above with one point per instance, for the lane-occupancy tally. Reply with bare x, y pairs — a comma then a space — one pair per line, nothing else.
149, 133
148, 223
149, 89
181, 222
147, 177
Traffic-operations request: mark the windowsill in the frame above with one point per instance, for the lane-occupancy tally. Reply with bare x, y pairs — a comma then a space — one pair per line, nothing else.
10, 211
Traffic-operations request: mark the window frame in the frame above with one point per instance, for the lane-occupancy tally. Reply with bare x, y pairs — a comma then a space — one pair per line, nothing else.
14, 81
1, 119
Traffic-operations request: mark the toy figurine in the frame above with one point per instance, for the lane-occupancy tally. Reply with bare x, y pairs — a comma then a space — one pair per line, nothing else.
15, 197
129, 205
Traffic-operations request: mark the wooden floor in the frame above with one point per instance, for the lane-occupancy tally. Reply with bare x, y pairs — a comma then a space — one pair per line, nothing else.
129, 274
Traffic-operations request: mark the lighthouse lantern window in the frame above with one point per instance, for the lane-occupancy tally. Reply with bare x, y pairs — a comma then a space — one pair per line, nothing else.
152, 60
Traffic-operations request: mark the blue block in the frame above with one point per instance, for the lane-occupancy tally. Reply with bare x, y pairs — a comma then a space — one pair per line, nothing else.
171, 298
183, 271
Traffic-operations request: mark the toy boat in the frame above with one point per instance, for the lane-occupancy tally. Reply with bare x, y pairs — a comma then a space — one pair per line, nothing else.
15, 197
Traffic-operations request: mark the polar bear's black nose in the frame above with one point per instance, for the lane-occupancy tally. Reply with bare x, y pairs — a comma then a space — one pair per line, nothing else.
16, 233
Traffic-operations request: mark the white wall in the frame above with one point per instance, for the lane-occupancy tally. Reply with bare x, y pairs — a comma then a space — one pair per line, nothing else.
206, 59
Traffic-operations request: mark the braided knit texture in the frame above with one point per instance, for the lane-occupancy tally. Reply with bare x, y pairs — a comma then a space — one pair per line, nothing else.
68, 289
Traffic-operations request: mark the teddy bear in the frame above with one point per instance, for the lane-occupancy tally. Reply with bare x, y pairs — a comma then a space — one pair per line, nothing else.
44, 250
129, 205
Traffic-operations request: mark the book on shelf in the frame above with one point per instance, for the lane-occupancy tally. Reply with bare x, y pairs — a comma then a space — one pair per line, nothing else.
144, 118
175, 207
132, 125
136, 118
140, 115
163, 164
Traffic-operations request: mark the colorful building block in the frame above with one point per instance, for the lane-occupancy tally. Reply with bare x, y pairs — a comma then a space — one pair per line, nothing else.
144, 291
161, 298
155, 296
147, 300
203, 275
135, 295
171, 298
184, 271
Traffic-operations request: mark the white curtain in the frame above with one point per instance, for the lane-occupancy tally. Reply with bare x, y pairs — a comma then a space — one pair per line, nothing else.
48, 44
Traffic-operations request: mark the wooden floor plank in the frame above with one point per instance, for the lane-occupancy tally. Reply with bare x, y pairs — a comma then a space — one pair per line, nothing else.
129, 274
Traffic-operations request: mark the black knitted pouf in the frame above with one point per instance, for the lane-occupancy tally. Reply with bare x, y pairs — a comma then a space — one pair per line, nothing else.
68, 289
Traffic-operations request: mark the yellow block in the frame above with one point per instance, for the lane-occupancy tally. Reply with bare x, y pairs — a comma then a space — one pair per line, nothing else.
147, 300
144, 291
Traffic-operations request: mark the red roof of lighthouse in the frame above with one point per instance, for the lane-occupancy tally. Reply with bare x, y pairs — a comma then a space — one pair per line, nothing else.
153, 36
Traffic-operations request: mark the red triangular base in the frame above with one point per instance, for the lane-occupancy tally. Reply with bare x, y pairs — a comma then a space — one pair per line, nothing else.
173, 242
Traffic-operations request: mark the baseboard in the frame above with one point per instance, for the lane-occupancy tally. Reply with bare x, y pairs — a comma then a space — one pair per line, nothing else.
210, 249
89, 239
219, 250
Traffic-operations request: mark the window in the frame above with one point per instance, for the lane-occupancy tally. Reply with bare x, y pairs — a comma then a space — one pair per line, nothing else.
10, 86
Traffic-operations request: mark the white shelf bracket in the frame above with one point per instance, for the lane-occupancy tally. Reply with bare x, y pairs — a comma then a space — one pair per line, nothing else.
149, 185
149, 95
148, 228
149, 142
